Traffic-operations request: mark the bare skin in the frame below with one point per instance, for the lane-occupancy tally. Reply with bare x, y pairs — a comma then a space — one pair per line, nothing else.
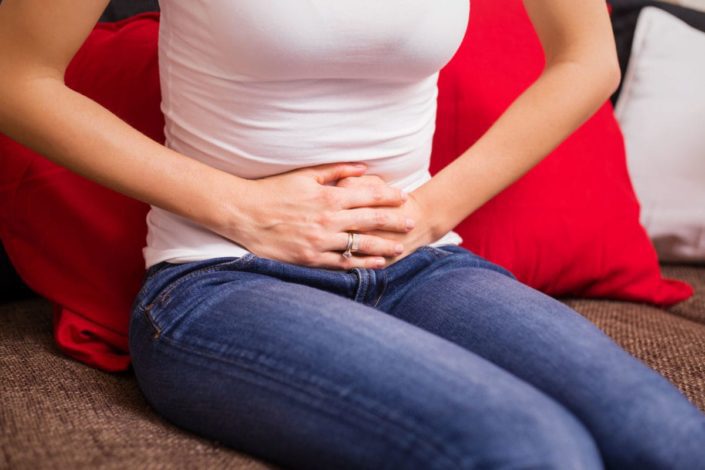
301, 216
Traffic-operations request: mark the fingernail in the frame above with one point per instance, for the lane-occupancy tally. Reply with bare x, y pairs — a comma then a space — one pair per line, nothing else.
380, 262
410, 224
399, 249
404, 195
360, 165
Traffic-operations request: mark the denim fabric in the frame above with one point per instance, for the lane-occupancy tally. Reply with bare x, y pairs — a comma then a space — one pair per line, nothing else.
442, 360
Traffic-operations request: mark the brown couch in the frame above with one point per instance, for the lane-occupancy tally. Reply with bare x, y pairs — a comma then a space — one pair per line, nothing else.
58, 413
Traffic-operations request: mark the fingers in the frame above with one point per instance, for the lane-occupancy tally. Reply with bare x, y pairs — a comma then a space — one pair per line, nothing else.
331, 172
367, 245
364, 180
337, 261
373, 253
353, 189
368, 219
369, 196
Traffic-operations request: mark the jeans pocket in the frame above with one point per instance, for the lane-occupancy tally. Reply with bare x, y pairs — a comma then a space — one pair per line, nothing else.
147, 281
159, 294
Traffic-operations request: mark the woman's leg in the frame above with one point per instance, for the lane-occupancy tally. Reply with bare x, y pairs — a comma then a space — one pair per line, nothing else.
638, 418
307, 378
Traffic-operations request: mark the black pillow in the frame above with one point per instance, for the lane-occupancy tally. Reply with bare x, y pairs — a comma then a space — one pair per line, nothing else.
119, 9
624, 17
11, 286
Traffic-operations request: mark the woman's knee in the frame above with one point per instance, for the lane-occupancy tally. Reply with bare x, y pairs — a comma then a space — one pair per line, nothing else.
534, 432
639, 425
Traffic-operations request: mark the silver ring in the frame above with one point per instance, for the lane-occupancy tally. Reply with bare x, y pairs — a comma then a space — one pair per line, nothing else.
355, 247
348, 253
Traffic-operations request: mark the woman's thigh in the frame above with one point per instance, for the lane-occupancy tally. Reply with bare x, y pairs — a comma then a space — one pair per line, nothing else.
638, 418
306, 378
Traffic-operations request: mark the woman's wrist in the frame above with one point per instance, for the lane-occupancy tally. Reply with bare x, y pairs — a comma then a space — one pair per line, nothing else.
230, 205
432, 215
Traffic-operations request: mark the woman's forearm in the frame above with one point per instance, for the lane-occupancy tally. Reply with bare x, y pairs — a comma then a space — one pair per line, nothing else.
74, 131
38, 39
535, 124
581, 73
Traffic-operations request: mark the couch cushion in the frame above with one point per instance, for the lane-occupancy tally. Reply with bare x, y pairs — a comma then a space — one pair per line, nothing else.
625, 14
660, 110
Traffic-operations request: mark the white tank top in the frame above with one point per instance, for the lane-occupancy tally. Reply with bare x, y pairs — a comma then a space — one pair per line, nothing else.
256, 88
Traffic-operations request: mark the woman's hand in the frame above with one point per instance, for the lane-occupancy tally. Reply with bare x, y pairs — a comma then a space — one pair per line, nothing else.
413, 209
301, 217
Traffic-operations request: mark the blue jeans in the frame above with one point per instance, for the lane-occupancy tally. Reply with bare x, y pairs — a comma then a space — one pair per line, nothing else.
442, 360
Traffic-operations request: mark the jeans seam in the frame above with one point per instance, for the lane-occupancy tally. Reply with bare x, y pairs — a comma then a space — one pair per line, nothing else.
480, 262
384, 287
436, 252
323, 384
147, 314
362, 287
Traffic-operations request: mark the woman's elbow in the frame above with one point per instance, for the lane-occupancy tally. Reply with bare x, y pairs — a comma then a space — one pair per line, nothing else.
612, 76
607, 70
603, 76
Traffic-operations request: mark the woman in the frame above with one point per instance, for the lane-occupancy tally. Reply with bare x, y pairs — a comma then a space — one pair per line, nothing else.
320, 314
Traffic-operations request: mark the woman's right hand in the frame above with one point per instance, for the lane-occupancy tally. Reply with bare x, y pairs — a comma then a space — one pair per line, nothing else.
301, 217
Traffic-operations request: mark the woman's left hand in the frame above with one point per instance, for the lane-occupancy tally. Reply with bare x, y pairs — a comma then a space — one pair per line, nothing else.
413, 208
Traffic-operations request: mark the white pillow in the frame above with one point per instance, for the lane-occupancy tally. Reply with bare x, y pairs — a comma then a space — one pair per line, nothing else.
661, 110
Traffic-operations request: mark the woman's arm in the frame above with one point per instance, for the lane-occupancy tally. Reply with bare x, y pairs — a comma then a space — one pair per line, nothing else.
37, 41
581, 73
276, 217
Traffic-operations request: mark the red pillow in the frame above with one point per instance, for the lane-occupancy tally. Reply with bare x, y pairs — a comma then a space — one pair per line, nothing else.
570, 226
75, 242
